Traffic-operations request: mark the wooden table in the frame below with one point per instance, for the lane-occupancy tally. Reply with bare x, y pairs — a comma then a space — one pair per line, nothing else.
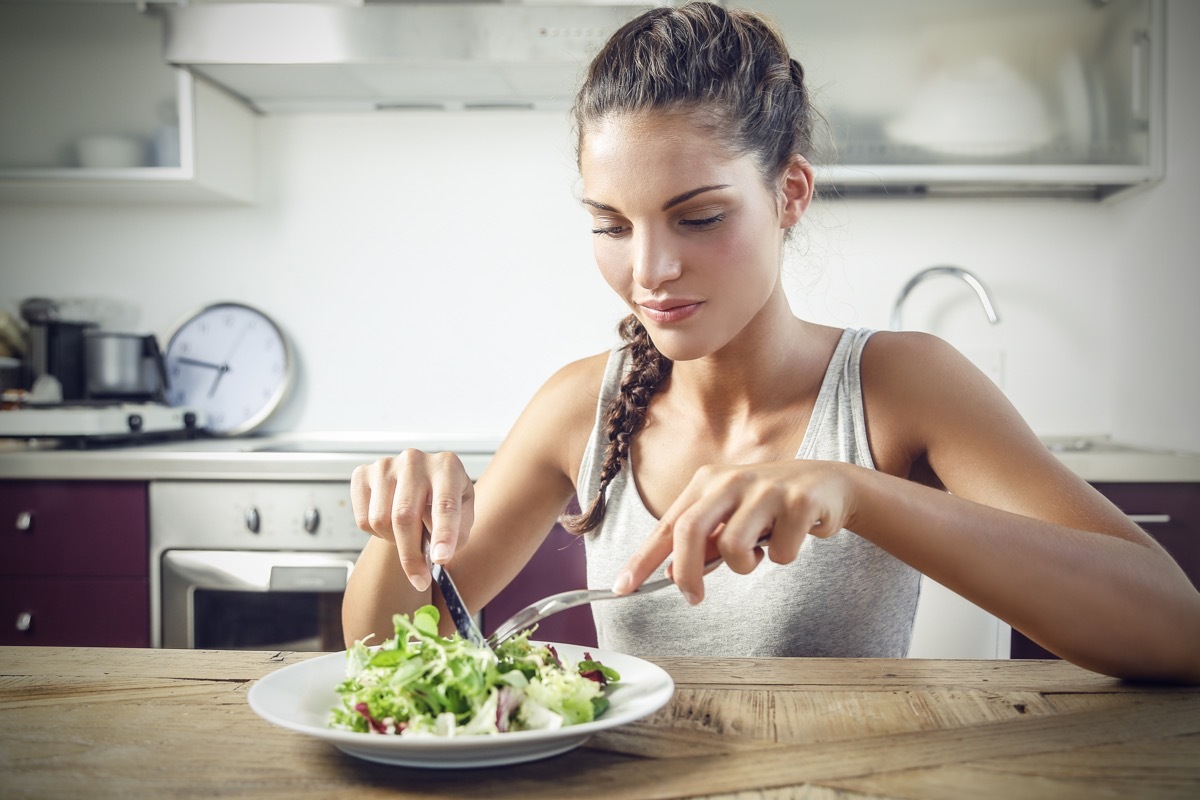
77, 722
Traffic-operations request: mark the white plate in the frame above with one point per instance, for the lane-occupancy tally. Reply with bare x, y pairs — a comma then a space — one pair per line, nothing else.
300, 697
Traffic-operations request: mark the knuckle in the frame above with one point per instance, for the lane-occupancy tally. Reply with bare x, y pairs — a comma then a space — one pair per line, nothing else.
405, 514
446, 504
686, 526
378, 522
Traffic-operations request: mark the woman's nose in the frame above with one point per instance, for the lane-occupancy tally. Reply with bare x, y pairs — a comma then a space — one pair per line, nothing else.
654, 263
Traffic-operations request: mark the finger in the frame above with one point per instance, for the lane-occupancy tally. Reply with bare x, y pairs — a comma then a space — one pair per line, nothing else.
409, 502
641, 565
695, 533
360, 498
450, 491
381, 484
791, 530
656, 547
738, 542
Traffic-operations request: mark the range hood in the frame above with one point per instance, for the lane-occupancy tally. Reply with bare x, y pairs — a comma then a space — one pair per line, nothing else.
355, 55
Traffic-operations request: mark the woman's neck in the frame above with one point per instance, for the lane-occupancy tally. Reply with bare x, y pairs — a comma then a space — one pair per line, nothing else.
777, 362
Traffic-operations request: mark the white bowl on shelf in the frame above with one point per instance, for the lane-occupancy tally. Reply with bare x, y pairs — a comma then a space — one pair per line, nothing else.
104, 151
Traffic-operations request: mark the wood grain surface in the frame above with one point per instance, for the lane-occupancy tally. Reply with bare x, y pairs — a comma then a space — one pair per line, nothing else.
78, 722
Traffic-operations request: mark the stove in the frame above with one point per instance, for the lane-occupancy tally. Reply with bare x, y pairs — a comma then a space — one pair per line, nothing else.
99, 423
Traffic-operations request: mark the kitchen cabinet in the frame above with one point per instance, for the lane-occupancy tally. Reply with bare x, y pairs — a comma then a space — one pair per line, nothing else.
90, 112
73, 563
559, 565
1170, 512
982, 97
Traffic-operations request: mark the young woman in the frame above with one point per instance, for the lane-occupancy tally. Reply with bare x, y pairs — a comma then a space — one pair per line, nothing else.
866, 458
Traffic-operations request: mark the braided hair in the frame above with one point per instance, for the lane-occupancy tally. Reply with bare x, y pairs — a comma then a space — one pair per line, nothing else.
731, 72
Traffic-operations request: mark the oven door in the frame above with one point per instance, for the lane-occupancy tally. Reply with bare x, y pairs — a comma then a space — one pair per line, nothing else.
253, 600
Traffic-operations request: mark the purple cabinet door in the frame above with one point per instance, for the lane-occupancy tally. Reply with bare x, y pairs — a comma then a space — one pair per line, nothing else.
74, 563
74, 528
75, 612
557, 566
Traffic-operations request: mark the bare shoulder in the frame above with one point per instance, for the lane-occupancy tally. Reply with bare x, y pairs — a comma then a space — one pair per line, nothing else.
560, 416
912, 366
910, 380
927, 403
929, 408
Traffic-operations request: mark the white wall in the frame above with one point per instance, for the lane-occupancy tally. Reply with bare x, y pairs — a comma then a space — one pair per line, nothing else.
1156, 397
433, 269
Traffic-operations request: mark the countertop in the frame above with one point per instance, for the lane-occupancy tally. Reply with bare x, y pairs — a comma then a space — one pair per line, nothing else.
171, 723
291, 456
333, 456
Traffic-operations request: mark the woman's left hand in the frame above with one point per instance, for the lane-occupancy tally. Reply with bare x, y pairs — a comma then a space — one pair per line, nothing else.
726, 509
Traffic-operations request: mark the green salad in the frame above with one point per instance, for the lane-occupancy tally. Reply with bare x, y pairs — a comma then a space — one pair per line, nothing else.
421, 683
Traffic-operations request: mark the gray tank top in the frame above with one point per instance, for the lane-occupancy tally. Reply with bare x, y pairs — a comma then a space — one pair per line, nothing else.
842, 596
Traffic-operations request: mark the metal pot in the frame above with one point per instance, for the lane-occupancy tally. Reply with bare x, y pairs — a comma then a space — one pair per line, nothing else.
123, 366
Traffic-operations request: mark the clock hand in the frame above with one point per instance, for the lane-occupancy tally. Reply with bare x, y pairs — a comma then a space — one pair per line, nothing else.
221, 370
198, 363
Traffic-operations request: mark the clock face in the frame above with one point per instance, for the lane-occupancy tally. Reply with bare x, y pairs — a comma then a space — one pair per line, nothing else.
231, 363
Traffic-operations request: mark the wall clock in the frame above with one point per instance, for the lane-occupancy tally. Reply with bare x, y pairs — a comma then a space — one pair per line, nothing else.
231, 363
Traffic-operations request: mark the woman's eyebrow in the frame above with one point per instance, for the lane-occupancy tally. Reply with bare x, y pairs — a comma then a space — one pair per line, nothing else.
677, 199
674, 201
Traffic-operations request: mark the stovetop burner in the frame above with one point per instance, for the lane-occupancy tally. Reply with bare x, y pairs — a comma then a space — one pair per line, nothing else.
99, 423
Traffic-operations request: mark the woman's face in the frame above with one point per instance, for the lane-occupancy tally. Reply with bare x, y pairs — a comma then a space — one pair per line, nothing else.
687, 234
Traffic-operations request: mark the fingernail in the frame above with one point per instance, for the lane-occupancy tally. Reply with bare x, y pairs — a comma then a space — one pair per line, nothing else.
623, 582
441, 552
422, 582
692, 598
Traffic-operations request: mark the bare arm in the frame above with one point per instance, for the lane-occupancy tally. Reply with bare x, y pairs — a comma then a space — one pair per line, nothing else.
1019, 534
490, 530
1016, 532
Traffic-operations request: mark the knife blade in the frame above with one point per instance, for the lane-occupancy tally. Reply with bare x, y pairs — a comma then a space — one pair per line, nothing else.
463, 621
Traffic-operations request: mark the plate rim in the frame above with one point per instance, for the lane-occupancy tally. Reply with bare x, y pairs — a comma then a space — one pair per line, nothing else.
447, 752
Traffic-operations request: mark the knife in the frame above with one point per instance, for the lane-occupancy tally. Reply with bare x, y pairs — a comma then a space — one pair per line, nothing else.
463, 621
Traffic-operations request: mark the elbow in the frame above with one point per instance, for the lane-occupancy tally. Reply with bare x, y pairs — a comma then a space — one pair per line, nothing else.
1160, 652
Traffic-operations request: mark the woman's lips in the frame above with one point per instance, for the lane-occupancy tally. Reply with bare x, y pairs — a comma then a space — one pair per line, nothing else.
670, 312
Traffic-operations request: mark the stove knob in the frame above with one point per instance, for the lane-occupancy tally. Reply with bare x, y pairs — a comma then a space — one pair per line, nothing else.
312, 520
253, 522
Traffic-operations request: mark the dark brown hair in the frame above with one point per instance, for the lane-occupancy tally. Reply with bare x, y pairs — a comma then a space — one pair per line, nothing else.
730, 71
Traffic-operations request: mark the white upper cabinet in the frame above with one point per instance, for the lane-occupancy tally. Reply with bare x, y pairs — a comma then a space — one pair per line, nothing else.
90, 112
1052, 98
1059, 97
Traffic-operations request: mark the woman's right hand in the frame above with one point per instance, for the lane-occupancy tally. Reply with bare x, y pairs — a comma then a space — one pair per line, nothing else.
399, 498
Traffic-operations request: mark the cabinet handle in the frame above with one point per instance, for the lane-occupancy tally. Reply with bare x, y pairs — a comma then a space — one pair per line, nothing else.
25, 520
24, 621
1139, 100
312, 520
1149, 519
253, 521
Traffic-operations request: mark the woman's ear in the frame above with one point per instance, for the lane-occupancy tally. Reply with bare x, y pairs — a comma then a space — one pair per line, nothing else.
795, 190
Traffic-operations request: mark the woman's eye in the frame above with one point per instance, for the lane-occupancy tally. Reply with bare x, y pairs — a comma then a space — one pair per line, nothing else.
611, 230
703, 224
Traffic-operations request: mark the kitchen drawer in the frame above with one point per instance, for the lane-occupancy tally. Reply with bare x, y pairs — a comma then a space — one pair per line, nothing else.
73, 528
1170, 512
83, 612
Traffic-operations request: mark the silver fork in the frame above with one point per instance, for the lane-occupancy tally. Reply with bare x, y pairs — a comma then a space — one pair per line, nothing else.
549, 606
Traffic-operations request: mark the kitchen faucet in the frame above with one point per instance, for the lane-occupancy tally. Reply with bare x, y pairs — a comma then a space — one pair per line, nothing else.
984, 297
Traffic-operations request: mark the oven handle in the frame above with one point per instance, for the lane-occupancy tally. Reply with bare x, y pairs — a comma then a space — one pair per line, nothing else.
255, 571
